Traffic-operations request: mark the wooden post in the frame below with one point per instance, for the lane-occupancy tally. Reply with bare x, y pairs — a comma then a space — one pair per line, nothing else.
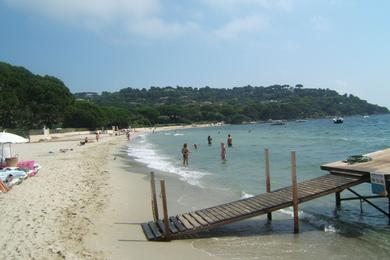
388, 199
267, 177
338, 199
154, 197
165, 210
294, 191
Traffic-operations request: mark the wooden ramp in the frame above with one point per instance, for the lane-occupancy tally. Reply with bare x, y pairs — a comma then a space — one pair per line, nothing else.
196, 221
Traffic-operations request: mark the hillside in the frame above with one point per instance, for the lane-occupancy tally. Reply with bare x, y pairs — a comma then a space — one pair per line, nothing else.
187, 104
29, 101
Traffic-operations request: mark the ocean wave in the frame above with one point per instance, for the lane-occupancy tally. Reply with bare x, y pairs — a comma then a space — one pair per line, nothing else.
144, 152
311, 219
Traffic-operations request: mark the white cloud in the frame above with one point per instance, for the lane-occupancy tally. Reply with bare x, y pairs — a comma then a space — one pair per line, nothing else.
140, 17
233, 4
236, 27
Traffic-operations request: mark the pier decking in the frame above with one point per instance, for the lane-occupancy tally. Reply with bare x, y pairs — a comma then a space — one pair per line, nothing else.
196, 221
380, 163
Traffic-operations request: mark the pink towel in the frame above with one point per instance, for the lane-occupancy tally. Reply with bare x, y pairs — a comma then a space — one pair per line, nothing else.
26, 165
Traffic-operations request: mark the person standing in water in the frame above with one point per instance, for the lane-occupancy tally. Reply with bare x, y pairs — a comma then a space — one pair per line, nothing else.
185, 152
230, 141
209, 139
223, 152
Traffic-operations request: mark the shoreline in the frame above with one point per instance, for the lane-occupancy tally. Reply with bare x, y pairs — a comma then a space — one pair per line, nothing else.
84, 203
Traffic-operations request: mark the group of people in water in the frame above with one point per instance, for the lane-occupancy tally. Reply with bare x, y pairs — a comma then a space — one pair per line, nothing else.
186, 152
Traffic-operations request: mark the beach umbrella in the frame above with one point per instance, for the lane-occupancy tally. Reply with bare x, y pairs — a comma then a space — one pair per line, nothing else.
8, 138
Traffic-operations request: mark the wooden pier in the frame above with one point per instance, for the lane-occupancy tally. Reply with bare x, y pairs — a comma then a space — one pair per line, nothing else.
182, 225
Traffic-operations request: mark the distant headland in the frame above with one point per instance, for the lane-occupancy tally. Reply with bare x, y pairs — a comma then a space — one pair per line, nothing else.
31, 101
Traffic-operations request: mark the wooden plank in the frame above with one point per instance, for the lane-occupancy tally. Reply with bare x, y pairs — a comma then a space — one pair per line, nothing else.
243, 207
228, 211
261, 201
328, 181
254, 205
155, 229
271, 202
172, 227
180, 227
321, 187
147, 231
207, 217
216, 214
308, 189
223, 212
250, 207
275, 200
221, 215
233, 209
212, 215
185, 222
190, 219
198, 218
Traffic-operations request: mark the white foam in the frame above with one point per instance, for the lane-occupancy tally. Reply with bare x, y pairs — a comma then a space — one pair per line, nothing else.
311, 219
245, 195
178, 134
146, 153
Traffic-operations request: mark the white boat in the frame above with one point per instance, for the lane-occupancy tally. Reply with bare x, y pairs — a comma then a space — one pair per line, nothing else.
338, 120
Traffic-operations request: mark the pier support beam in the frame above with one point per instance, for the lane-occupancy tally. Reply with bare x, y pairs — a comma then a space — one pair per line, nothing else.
388, 200
165, 210
154, 197
338, 199
267, 177
294, 191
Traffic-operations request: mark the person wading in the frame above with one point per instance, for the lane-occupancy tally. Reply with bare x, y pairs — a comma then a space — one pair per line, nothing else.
185, 152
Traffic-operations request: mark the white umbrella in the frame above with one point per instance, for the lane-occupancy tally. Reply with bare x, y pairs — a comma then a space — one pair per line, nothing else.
11, 138
8, 138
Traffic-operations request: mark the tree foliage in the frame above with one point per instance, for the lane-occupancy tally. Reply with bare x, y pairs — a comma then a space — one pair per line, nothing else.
31, 101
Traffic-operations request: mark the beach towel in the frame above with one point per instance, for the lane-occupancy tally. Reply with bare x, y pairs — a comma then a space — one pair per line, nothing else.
16, 173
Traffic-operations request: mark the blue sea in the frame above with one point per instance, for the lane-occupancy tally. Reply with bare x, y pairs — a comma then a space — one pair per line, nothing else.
325, 232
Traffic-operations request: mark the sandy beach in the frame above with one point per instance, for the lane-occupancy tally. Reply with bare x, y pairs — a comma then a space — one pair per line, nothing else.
85, 203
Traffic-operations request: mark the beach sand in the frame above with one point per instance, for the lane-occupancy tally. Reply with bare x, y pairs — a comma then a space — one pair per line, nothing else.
85, 203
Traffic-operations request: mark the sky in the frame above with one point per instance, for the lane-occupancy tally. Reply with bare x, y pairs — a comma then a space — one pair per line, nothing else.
107, 45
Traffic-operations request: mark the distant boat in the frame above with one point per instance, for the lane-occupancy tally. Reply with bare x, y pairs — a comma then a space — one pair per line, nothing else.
338, 120
366, 116
300, 120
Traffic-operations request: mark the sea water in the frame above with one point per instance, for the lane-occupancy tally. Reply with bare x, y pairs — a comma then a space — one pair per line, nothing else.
325, 231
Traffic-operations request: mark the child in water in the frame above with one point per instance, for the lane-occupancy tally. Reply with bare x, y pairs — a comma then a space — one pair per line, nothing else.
185, 152
223, 152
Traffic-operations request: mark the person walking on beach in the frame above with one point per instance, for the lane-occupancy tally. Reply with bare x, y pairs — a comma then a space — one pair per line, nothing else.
223, 152
209, 139
230, 141
97, 136
185, 152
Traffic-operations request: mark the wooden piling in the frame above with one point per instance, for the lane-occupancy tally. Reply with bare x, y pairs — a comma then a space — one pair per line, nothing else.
154, 197
267, 177
165, 210
294, 191
388, 199
338, 199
